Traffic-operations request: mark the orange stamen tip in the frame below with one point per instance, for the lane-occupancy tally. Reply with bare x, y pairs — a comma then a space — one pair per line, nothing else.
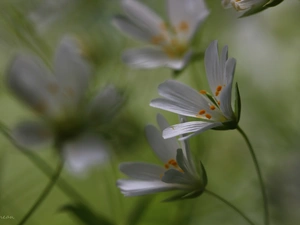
202, 92
183, 26
219, 103
167, 166
212, 107
208, 116
217, 93
219, 88
201, 112
157, 39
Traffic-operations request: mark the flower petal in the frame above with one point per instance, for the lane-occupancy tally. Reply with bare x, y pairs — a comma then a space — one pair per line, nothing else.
186, 15
138, 187
72, 70
132, 30
28, 78
31, 134
142, 171
212, 66
142, 16
181, 108
181, 99
105, 104
163, 149
84, 152
225, 95
153, 58
188, 127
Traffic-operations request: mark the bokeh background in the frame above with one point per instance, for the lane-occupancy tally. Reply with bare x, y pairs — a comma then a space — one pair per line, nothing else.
267, 48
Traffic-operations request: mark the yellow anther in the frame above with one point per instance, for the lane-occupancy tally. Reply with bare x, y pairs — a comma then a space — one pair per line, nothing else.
219, 88
157, 39
217, 93
183, 26
203, 92
201, 112
52, 88
70, 91
163, 26
173, 162
174, 42
212, 107
41, 107
208, 116
167, 166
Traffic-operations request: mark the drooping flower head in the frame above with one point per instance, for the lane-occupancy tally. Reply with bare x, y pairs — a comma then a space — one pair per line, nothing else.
213, 110
249, 7
170, 41
176, 172
67, 119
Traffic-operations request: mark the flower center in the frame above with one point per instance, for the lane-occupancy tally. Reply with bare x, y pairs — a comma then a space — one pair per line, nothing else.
172, 39
172, 164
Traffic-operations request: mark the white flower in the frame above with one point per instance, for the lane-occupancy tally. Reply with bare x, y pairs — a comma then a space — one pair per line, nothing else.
68, 120
250, 7
177, 171
214, 111
171, 42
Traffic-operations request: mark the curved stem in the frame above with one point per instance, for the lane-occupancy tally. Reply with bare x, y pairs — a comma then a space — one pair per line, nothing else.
44, 194
261, 182
230, 205
44, 167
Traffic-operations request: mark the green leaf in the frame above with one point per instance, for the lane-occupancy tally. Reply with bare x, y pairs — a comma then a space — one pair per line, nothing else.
238, 104
273, 3
85, 214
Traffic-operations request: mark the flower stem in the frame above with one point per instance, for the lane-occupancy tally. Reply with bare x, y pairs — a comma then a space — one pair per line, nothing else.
230, 205
257, 167
44, 167
44, 194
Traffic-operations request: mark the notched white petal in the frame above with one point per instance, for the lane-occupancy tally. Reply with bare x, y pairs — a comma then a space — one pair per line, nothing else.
188, 127
142, 171
32, 134
84, 152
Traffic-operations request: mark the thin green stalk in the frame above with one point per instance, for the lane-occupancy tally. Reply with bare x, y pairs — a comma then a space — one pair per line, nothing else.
44, 194
230, 205
44, 167
258, 171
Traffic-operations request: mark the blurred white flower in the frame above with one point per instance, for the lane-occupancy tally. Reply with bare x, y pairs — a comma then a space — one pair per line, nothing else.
214, 111
68, 120
171, 42
178, 171
250, 7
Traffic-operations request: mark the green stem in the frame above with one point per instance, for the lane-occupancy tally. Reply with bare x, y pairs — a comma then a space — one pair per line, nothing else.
261, 182
44, 167
44, 194
230, 205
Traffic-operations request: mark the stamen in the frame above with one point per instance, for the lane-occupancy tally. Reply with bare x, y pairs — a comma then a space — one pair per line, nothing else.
167, 166
157, 39
208, 116
40, 107
202, 92
219, 88
173, 163
163, 26
52, 88
183, 26
212, 107
217, 93
201, 112
219, 103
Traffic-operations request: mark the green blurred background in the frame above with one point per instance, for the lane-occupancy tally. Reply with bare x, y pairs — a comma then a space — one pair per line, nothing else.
267, 48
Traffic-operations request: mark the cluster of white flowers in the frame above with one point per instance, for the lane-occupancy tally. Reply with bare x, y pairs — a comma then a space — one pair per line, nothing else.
69, 120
